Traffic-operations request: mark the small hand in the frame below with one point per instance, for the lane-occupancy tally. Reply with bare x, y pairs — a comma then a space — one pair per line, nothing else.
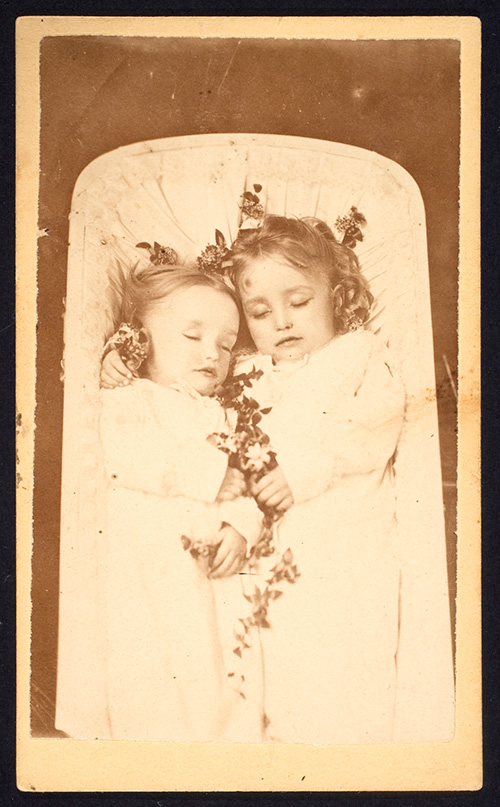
114, 372
233, 485
273, 490
231, 554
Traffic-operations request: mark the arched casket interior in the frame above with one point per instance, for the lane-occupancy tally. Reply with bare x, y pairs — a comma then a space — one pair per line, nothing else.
177, 191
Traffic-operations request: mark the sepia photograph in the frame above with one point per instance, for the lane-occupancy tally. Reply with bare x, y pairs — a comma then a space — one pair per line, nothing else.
245, 459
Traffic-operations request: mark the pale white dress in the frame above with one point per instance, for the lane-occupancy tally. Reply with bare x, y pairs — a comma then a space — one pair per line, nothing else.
330, 653
165, 672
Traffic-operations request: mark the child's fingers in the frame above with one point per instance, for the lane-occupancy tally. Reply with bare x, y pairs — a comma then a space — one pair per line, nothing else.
109, 382
275, 500
115, 367
277, 496
234, 473
231, 565
286, 503
110, 378
116, 361
220, 557
120, 375
234, 487
114, 376
263, 498
229, 492
266, 482
270, 490
236, 567
223, 568
239, 563
238, 486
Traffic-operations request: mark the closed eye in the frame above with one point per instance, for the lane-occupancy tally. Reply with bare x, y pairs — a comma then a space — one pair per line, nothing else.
302, 303
260, 314
194, 338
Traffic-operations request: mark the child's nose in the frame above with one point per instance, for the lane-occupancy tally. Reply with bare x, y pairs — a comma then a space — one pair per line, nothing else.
211, 351
282, 319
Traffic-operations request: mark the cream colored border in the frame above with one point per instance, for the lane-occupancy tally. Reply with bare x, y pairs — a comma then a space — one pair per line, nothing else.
62, 765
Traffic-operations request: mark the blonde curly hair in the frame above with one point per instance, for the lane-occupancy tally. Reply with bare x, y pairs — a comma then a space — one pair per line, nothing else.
310, 246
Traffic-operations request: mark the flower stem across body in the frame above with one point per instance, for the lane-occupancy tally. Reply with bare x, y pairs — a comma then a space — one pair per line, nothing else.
250, 451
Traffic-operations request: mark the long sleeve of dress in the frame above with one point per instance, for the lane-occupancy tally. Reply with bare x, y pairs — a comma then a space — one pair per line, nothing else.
343, 433
142, 456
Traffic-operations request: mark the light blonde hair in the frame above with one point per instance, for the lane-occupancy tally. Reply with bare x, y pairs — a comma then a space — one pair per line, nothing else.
150, 286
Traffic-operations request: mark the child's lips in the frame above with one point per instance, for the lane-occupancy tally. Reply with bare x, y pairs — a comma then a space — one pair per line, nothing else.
288, 340
207, 371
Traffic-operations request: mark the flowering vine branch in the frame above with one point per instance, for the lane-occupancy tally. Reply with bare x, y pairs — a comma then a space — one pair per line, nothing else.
250, 451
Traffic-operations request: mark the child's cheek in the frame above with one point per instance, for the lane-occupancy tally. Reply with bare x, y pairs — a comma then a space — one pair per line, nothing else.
259, 334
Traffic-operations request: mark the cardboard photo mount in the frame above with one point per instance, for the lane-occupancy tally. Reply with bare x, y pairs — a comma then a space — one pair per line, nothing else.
61, 764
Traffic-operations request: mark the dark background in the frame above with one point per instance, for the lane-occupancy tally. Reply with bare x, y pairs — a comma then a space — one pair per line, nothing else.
400, 99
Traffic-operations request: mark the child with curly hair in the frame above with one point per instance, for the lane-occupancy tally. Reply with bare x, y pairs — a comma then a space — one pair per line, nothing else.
337, 410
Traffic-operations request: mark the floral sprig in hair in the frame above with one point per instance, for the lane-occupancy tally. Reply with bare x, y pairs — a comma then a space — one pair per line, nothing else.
215, 258
251, 207
159, 255
350, 225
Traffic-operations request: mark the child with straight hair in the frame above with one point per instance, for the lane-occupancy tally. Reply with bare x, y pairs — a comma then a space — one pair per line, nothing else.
170, 489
